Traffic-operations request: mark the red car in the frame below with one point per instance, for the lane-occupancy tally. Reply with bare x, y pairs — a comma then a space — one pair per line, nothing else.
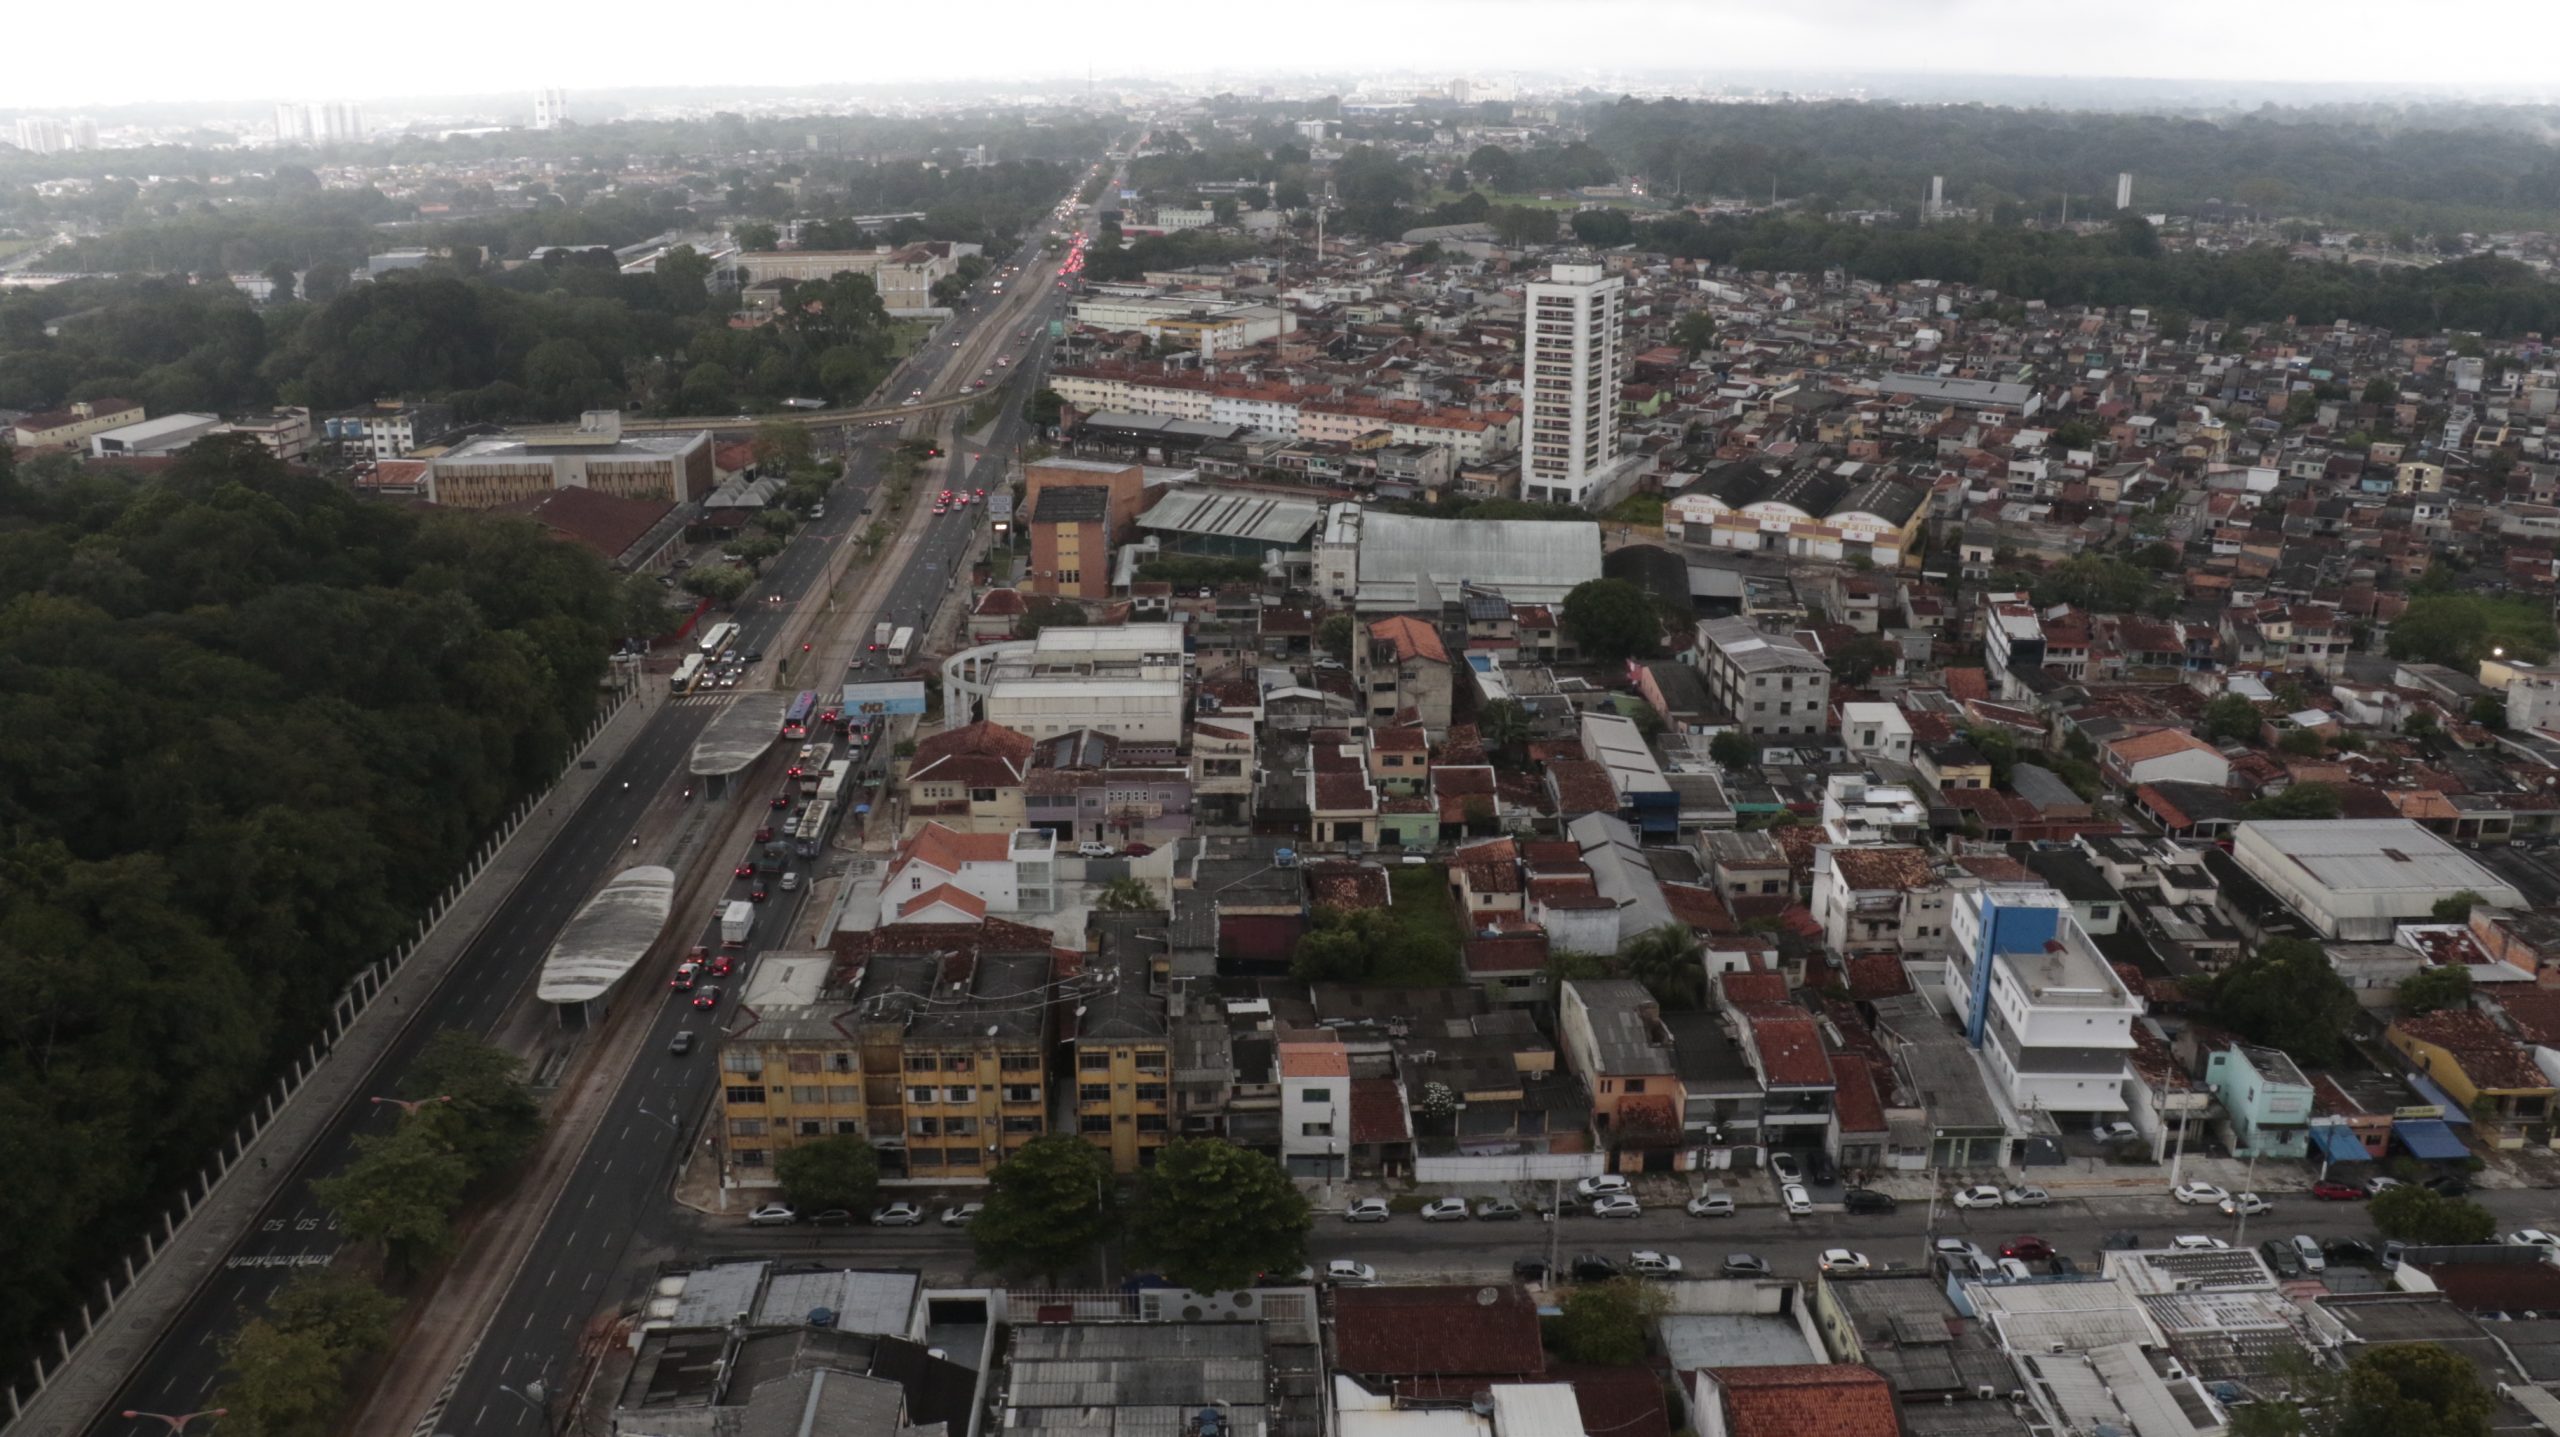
709, 997
721, 965
1139, 850
2332, 1190
743, 870
756, 894
763, 835
2027, 1249
780, 800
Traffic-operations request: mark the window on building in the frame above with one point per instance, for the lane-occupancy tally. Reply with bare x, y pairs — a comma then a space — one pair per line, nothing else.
810, 1093
746, 1095
748, 1157
1315, 1130
1151, 1122
1014, 1126
1318, 1095
919, 1095
959, 1095
746, 1127
922, 1062
1151, 1062
1021, 1093
1151, 1092
743, 1061
1094, 1123
804, 1062
1093, 1092
812, 1128
1094, 1062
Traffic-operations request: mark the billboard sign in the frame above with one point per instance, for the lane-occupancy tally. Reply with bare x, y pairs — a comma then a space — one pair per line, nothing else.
893, 699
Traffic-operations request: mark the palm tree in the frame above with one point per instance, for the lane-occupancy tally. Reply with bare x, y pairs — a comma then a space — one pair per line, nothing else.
1667, 961
1502, 726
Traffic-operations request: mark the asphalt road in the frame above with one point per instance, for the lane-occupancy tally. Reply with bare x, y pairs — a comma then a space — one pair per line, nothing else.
1405, 1248
615, 1197
621, 1180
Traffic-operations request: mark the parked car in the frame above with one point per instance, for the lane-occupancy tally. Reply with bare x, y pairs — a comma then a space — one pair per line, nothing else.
2376, 1187
2061, 1266
1710, 1205
2307, 1248
2114, 1132
2195, 1190
2389, 1257
2122, 1240
962, 1214
1644, 1262
1367, 1210
1093, 848
2245, 1205
1617, 1205
833, 1217
1605, 1183
1345, 1272
1841, 1259
2027, 1248
1785, 1168
1959, 1253
1797, 1201
1445, 1210
2198, 1242
2013, 1270
2448, 1184
897, 1214
1825, 1172
1592, 1267
2346, 1249
1866, 1201
2532, 1237
2332, 1190
2025, 1195
1743, 1264
1979, 1195
772, 1214
2281, 1257
1497, 1210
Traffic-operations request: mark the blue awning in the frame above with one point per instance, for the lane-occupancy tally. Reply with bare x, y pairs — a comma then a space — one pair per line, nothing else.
2430, 1140
2438, 1097
2338, 1143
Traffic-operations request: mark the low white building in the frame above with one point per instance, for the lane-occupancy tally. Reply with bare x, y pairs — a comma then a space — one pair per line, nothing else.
2358, 880
1857, 811
152, 437
1315, 1107
1870, 730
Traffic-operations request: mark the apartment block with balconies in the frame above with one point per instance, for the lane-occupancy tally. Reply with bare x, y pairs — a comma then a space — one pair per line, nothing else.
2043, 1009
1122, 1041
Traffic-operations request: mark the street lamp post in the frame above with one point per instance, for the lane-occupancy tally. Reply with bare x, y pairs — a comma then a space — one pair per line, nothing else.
177, 1424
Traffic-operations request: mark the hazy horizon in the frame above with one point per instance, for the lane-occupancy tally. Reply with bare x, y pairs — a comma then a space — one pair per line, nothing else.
296, 50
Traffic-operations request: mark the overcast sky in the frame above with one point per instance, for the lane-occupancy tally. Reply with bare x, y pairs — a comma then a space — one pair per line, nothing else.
305, 49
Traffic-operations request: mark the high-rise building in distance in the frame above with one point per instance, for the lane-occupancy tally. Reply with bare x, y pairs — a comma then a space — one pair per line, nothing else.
323, 122
550, 109
1576, 316
42, 135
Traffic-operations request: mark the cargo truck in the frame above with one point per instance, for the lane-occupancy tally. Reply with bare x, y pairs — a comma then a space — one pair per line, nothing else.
736, 922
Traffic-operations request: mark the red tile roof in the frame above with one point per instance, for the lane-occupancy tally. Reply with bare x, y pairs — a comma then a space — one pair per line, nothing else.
1790, 1046
1746, 989
2489, 1058
959, 898
1413, 640
1877, 975
1510, 953
1436, 1331
1825, 1400
1378, 1112
1582, 786
606, 523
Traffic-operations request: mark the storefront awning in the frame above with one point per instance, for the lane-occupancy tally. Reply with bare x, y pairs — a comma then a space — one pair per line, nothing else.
2430, 1140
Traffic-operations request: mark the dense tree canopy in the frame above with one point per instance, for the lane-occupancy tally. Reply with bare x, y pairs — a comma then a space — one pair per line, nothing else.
1612, 619
1049, 1206
2286, 996
249, 726
1213, 1216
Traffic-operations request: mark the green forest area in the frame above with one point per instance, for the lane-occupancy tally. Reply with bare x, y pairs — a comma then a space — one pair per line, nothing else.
250, 725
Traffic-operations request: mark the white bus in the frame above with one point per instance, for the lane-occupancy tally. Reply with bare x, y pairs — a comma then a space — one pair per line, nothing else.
681, 681
831, 786
717, 639
899, 642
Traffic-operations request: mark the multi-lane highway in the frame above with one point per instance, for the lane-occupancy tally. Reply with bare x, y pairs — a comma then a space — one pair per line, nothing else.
616, 1194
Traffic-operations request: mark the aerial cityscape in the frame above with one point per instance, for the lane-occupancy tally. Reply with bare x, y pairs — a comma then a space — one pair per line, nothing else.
1488, 720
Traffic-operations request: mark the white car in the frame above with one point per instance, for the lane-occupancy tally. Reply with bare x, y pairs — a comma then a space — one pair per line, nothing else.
1355, 1274
2533, 1237
897, 1214
1604, 1184
1785, 1168
1979, 1195
1798, 1202
1648, 1263
2375, 1187
1711, 1205
1959, 1252
2026, 1196
1445, 1210
1841, 1259
1367, 1210
1616, 1205
2245, 1205
2198, 1242
2193, 1191
772, 1214
1092, 848
962, 1214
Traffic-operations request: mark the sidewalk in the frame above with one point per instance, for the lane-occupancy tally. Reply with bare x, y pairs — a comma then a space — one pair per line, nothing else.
74, 1396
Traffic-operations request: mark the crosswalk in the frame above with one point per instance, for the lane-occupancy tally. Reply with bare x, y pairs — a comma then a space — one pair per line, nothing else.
701, 701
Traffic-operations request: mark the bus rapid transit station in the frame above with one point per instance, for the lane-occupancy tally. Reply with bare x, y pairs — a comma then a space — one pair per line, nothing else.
601, 945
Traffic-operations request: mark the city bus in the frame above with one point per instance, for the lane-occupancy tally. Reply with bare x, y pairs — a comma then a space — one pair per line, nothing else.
811, 835
899, 643
795, 722
681, 681
717, 639
831, 787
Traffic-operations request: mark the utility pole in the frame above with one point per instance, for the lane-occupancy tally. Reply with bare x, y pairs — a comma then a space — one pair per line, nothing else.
1555, 1220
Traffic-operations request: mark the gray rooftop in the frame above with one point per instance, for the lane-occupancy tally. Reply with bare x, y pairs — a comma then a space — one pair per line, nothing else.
715, 1296
1228, 514
739, 734
2372, 855
1407, 561
607, 936
877, 1303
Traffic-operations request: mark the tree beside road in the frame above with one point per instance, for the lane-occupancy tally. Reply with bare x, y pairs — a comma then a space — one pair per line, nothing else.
1213, 1216
834, 1172
1048, 1208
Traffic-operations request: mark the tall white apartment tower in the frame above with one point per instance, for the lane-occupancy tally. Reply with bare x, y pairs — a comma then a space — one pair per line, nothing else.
42, 135
293, 124
2124, 190
550, 109
1576, 316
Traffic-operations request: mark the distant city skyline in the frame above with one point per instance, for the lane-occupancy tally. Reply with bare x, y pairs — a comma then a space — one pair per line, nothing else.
2351, 42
